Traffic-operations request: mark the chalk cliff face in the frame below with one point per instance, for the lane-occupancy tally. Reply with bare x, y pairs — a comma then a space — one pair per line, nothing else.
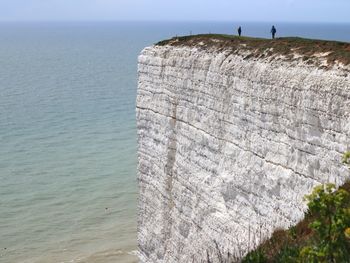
229, 145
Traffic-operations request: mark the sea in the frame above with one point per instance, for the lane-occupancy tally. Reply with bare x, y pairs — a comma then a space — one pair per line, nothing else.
68, 139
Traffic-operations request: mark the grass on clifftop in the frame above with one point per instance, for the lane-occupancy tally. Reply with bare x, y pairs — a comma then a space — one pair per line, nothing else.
311, 51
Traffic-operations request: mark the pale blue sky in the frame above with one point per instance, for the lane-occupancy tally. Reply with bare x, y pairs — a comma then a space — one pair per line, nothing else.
183, 10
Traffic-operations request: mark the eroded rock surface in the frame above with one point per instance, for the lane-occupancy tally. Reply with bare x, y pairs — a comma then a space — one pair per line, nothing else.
228, 147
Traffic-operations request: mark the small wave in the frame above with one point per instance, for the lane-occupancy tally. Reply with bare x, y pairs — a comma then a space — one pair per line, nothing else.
110, 256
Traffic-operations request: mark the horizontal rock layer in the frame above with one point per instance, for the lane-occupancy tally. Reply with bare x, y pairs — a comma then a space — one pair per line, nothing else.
228, 147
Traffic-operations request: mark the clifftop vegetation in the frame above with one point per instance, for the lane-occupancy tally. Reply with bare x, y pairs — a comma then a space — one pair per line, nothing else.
319, 52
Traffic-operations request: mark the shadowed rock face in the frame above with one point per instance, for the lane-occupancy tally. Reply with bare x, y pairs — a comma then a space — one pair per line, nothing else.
228, 147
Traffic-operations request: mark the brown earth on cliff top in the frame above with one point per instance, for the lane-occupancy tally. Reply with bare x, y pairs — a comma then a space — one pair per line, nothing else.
324, 54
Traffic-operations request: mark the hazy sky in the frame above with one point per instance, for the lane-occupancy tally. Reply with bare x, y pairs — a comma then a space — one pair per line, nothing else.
232, 10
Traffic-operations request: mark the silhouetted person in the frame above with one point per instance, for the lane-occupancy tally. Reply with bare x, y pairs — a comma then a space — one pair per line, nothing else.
239, 31
273, 32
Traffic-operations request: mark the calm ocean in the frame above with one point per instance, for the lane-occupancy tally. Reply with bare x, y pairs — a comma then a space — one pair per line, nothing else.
68, 190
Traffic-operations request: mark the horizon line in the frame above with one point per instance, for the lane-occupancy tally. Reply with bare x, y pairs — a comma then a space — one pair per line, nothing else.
168, 21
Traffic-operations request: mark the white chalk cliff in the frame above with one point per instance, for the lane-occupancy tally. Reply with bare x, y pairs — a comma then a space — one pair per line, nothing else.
229, 144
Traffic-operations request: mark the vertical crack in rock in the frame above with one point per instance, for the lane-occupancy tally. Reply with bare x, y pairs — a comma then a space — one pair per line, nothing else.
170, 174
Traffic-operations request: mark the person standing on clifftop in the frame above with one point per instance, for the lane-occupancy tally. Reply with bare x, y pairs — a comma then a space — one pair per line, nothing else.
273, 32
239, 31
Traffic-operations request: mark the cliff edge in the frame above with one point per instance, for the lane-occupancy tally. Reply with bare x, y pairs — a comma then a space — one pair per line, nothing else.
232, 133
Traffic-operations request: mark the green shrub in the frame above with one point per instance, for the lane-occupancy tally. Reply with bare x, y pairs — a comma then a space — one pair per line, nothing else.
288, 254
257, 256
333, 218
346, 158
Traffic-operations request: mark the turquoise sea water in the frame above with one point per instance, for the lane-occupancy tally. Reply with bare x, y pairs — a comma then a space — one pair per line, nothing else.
68, 190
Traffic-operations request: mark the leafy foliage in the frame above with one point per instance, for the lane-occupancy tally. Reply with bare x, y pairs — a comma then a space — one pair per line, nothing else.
333, 218
346, 158
256, 256
288, 254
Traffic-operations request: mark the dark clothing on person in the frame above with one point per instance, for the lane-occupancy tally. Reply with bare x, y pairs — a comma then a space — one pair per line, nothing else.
273, 32
239, 31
